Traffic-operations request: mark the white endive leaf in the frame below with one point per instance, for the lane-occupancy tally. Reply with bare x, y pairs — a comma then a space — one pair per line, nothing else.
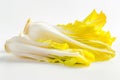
19, 44
36, 31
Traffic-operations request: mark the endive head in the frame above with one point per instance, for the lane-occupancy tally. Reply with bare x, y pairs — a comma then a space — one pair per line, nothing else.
78, 43
77, 37
45, 51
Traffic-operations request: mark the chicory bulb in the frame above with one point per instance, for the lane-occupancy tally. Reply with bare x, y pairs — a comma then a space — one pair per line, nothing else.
22, 47
73, 44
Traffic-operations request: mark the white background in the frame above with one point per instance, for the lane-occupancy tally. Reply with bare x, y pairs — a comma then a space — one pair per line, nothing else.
13, 16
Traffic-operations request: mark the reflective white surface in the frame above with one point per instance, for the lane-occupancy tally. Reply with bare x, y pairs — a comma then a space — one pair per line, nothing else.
13, 16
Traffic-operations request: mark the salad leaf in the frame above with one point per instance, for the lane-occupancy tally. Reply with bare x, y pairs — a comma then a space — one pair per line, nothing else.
89, 29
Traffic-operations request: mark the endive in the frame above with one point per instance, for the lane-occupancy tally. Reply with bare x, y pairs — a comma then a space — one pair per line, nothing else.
42, 52
73, 44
